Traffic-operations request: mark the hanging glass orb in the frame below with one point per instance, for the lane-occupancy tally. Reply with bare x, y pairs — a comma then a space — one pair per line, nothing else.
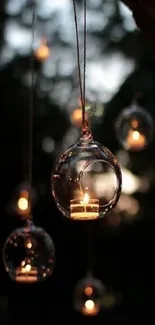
134, 128
29, 254
86, 180
88, 296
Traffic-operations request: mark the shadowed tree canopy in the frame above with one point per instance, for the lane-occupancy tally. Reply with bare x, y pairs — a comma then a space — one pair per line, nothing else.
119, 64
144, 15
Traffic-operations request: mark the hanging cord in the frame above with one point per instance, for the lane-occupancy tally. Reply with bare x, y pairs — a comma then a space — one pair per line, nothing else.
83, 102
31, 104
84, 65
82, 91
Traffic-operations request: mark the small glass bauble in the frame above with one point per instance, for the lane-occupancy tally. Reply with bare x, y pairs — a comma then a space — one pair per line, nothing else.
134, 128
88, 296
80, 185
29, 254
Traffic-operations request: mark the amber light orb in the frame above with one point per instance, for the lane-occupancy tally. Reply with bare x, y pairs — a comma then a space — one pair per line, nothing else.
29, 254
134, 128
42, 52
75, 177
24, 203
88, 296
23, 200
76, 116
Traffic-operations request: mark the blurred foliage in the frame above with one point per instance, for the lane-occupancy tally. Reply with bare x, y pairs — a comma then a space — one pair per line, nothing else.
119, 64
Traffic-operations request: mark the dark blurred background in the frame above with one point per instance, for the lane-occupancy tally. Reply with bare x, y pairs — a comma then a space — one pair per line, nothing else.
120, 64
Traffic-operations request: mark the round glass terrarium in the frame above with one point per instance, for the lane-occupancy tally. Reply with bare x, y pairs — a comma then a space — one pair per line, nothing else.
134, 128
86, 180
29, 254
88, 296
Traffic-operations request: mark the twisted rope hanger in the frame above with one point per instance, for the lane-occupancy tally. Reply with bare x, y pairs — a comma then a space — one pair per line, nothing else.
82, 87
31, 103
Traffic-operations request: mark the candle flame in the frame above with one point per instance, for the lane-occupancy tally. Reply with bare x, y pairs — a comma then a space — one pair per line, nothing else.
26, 268
86, 198
135, 135
89, 304
29, 245
23, 203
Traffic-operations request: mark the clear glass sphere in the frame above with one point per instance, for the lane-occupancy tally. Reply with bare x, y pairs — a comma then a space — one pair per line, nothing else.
86, 180
134, 128
29, 254
88, 296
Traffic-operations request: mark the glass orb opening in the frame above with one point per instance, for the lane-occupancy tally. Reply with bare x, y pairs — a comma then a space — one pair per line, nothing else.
29, 254
79, 177
134, 128
88, 296
100, 180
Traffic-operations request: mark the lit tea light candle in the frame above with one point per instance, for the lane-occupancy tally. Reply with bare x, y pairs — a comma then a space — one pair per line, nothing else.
90, 308
84, 209
26, 273
136, 140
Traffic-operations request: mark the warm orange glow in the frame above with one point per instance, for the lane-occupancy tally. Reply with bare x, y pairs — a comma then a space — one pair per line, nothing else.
76, 117
29, 245
22, 263
24, 193
26, 268
86, 198
134, 123
135, 135
89, 304
88, 291
43, 52
23, 203
135, 140
84, 209
90, 308
26, 273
